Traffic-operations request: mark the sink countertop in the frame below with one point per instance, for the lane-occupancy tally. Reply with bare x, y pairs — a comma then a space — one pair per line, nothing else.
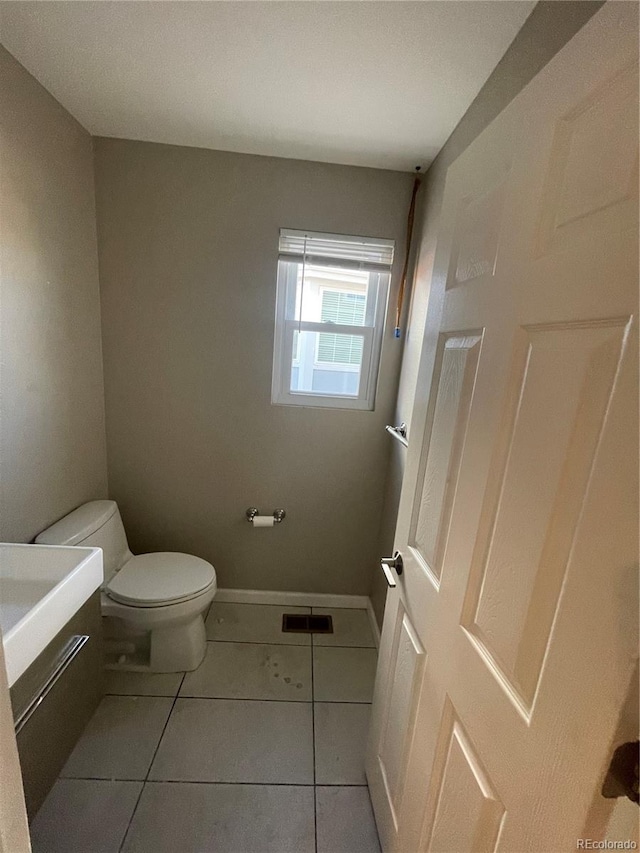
41, 587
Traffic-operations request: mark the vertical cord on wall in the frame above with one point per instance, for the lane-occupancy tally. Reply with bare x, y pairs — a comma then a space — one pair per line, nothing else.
405, 268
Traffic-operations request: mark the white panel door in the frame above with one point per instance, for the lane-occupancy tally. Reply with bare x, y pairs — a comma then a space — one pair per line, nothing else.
509, 644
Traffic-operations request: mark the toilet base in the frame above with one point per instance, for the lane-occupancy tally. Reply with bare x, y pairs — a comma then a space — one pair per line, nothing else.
178, 648
171, 638
172, 649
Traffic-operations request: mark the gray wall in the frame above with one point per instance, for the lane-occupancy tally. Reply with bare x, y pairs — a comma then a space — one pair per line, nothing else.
188, 246
549, 27
52, 437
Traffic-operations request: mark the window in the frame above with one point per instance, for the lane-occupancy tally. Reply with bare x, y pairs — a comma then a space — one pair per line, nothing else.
343, 307
330, 309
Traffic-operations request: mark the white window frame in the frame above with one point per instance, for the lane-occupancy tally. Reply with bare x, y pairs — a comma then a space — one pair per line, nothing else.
287, 323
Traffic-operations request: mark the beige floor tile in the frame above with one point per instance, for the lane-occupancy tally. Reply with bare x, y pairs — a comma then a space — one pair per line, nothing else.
340, 739
345, 822
223, 818
82, 815
350, 628
120, 739
343, 675
253, 623
252, 671
226, 740
123, 683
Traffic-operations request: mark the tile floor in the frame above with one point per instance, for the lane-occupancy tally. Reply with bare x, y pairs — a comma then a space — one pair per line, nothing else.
260, 750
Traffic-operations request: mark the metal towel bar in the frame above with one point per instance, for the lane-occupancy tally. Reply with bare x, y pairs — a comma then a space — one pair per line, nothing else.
70, 651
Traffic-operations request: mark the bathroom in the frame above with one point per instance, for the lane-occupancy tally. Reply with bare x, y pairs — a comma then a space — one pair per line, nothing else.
151, 233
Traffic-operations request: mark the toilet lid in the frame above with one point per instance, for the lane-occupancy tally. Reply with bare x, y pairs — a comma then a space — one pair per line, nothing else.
164, 577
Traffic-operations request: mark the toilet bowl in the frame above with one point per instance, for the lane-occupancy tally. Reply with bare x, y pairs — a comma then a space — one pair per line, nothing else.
152, 604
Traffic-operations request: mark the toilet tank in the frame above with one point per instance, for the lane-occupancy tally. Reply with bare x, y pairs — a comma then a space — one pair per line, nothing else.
96, 524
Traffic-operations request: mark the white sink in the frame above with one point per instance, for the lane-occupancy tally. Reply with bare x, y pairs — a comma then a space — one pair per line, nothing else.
41, 587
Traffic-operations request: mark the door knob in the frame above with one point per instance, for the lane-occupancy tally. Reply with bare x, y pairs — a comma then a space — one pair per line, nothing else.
388, 563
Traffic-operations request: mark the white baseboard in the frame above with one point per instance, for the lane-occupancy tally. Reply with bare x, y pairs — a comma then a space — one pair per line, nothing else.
375, 630
293, 599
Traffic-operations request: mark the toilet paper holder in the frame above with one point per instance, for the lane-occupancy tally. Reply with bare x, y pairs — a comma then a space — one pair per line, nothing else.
278, 514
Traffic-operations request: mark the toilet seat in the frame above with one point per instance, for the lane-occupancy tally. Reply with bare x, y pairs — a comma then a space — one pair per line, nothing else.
159, 579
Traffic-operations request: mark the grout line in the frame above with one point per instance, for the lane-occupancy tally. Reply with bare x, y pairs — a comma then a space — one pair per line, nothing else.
293, 645
217, 782
155, 752
171, 695
135, 809
338, 646
240, 699
245, 699
261, 643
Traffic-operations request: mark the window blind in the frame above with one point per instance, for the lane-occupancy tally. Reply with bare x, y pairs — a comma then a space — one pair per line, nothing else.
365, 253
346, 309
339, 349
342, 308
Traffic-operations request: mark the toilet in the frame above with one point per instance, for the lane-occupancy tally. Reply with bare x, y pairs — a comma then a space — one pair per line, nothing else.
152, 604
